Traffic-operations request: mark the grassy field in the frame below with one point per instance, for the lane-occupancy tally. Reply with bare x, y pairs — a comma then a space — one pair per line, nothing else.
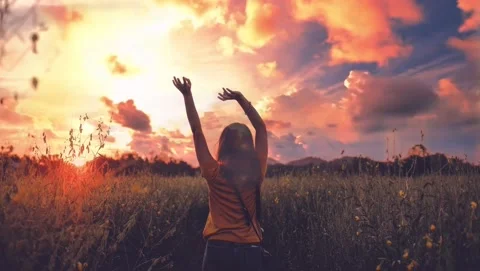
80, 221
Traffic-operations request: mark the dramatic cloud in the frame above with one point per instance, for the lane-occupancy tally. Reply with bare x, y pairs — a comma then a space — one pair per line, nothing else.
164, 144
9, 116
471, 9
127, 114
457, 108
377, 104
150, 145
306, 108
277, 124
286, 147
261, 25
366, 36
470, 46
268, 69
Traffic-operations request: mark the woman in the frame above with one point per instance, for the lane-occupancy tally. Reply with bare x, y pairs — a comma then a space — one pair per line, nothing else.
233, 232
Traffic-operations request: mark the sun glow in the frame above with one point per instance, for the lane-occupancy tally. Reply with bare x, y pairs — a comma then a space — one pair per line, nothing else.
79, 162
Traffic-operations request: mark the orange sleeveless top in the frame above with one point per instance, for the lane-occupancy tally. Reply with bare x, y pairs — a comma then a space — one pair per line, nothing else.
226, 220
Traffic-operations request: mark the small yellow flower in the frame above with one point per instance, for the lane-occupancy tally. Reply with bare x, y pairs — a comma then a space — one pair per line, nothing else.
379, 267
357, 218
405, 254
432, 228
429, 244
277, 200
473, 205
389, 243
401, 194
358, 233
329, 192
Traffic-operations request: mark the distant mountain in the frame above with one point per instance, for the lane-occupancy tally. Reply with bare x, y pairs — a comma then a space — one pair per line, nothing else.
271, 161
307, 161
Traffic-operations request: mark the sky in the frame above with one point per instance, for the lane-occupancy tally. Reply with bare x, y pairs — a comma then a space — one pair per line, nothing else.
362, 77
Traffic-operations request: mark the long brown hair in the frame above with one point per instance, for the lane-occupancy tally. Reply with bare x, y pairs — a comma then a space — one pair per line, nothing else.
239, 162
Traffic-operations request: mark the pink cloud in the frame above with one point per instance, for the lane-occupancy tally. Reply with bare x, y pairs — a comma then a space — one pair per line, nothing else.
9, 115
470, 46
471, 8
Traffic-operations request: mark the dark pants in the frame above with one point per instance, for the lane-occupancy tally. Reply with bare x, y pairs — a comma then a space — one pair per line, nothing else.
225, 256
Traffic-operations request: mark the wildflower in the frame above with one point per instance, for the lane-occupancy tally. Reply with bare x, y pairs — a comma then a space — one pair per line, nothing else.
329, 192
379, 267
429, 244
389, 243
432, 228
405, 254
276, 200
358, 232
473, 205
401, 193
357, 218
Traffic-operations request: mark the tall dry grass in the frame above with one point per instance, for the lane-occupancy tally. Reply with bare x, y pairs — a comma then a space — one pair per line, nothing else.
72, 220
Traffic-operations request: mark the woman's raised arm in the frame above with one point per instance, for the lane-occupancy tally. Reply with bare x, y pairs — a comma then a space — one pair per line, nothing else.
261, 137
205, 159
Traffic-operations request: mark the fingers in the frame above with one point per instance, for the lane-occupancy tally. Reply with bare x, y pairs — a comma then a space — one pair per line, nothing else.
176, 81
222, 97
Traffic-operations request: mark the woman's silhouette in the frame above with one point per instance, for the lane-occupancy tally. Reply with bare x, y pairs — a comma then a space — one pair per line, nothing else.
232, 230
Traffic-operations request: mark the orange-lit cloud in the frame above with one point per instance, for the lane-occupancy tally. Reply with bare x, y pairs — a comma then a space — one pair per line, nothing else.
261, 25
471, 9
457, 107
456, 98
362, 31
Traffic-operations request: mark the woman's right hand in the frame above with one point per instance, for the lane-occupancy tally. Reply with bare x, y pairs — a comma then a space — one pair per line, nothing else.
185, 87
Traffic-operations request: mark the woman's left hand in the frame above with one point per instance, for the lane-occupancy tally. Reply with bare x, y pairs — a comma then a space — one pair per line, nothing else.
229, 94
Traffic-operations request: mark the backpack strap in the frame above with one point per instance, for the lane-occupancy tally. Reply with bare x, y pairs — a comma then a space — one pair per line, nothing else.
248, 218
